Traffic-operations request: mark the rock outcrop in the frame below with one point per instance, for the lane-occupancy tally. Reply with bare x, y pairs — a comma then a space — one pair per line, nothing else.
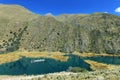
23, 30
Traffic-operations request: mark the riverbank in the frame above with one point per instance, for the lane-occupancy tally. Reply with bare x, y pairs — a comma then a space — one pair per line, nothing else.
93, 75
14, 56
101, 71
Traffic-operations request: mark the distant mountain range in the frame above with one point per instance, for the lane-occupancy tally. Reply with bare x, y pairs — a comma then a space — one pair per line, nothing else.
22, 30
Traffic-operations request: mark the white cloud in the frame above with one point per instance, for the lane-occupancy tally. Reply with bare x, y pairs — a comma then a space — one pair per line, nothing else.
117, 10
49, 14
106, 12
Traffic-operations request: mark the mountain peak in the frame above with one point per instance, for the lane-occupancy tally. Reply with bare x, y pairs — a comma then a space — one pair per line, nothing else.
14, 12
12, 8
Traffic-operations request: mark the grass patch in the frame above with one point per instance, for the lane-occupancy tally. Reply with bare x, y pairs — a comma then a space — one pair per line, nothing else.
94, 54
76, 69
13, 56
99, 66
10, 57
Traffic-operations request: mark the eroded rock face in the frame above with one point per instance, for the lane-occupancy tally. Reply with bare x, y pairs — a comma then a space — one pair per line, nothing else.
98, 32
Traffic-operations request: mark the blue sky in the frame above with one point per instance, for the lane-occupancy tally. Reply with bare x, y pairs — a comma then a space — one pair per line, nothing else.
57, 7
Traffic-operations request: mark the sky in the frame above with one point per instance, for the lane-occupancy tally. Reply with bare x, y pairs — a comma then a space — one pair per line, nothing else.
57, 7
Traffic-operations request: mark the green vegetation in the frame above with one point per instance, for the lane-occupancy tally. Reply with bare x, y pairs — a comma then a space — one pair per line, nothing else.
95, 33
13, 43
23, 33
96, 75
98, 33
76, 69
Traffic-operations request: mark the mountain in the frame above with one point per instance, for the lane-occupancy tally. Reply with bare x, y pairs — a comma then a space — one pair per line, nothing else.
22, 30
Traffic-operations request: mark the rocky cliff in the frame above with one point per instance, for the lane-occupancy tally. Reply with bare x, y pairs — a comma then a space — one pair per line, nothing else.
20, 29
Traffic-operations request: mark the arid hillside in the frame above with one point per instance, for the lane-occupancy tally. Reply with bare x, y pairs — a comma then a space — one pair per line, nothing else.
22, 30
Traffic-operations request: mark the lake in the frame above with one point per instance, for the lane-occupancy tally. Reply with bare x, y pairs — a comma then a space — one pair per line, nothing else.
36, 66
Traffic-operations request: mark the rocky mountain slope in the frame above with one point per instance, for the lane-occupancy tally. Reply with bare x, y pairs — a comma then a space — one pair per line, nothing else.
22, 30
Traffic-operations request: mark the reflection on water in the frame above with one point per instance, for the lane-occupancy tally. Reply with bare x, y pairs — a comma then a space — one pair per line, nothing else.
37, 60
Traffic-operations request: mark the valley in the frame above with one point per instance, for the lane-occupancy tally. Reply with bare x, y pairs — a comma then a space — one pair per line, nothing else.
47, 47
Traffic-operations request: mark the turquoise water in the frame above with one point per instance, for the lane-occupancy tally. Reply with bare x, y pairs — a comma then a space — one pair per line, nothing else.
34, 66
105, 59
